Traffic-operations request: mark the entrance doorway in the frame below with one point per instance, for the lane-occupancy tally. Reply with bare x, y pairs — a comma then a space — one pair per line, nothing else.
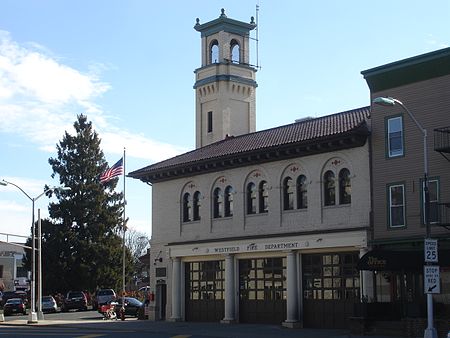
161, 299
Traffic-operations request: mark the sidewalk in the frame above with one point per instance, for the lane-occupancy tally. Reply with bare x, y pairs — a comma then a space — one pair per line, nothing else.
195, 329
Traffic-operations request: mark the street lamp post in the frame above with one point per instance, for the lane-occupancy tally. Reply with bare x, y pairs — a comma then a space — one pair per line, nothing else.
33, 317
430, 331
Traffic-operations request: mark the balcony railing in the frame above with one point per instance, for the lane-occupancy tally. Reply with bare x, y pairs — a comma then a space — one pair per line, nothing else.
442, 140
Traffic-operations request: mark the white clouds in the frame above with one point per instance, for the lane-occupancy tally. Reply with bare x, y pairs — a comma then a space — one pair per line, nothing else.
39, 77
40, 97
137, 146
54, 83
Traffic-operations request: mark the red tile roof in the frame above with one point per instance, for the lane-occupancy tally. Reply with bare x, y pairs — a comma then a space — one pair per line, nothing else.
306, 131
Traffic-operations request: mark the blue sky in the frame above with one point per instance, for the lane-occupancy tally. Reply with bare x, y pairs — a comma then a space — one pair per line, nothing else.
128, 65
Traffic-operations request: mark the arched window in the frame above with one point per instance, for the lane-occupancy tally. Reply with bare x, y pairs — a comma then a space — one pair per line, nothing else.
302, 192
251, 198
263, 197
235, 51
217, 203
196, 205
345, 187
329, 188
214, 52
187, 207
288, 194
229, 201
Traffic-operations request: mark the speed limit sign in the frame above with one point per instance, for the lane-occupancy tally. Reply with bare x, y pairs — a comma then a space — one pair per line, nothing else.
431, 250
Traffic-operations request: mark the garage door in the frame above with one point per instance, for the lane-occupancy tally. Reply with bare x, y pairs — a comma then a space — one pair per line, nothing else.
262, 290
330, 289
204, 291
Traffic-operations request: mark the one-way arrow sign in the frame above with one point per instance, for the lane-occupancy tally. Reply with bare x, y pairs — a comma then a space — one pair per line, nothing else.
431, 279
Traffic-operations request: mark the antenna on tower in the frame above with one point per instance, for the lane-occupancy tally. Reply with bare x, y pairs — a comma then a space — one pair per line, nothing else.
257, 35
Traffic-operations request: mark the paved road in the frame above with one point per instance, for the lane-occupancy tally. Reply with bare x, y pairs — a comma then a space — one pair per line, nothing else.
88, 325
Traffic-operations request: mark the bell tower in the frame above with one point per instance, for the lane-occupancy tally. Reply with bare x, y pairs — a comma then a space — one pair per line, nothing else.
225, 83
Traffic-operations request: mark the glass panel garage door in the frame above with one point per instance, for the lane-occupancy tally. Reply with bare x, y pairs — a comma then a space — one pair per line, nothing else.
330, 288
262, 290
205, 290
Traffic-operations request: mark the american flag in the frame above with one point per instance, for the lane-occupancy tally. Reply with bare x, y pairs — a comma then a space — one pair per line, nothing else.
114, 171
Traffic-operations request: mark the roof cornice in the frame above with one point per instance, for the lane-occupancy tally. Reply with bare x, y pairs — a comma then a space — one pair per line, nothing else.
418, 68
354, 138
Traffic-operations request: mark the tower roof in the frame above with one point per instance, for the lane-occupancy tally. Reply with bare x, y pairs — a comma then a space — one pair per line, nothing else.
222, 23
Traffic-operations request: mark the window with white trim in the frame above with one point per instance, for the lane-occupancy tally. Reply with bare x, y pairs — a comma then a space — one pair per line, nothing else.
394, 136
433, 193
396, 205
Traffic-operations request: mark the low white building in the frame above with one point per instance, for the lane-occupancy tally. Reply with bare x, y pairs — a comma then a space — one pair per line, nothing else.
13, 276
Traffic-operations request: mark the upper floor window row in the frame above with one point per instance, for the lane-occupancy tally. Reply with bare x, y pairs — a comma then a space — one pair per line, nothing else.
294, 195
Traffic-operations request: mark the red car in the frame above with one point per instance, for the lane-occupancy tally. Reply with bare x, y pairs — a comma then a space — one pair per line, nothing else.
74, 300
14, 305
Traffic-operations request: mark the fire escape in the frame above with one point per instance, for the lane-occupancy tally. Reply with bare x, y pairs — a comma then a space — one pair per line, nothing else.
442, 146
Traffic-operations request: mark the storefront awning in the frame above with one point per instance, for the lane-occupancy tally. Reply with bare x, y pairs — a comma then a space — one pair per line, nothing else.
387, 260
390, 260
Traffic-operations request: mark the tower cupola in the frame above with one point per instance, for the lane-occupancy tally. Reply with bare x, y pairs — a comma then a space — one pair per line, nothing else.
225, 83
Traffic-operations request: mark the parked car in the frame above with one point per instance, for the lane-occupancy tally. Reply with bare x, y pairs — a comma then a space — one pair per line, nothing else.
102, 297
75, 300
14, 294
132, 306
14, 305
49, 304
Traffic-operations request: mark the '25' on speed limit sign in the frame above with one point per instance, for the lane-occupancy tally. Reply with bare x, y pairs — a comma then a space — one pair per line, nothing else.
431, 250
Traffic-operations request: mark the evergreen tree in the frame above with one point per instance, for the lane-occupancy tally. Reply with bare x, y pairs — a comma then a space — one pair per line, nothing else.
82, 244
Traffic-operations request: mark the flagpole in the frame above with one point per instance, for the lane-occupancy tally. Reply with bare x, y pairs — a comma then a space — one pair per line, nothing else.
123, 239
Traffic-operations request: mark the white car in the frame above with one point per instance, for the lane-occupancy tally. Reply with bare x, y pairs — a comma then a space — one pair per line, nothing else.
103, 296
49, 304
